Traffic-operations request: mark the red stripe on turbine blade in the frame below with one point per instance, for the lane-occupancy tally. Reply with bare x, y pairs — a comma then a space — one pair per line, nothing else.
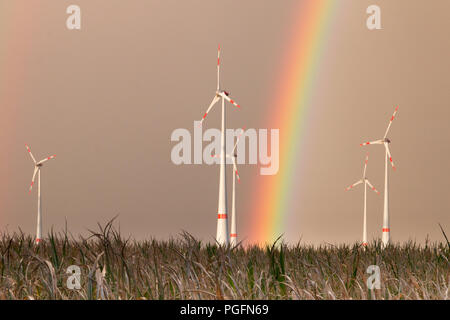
233, 235
386, 230
390, 159
222, 216
204, 116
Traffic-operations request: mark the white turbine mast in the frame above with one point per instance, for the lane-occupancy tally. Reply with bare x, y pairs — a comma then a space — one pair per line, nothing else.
222, 235
37, 169
386, 231
233, 157
366, 182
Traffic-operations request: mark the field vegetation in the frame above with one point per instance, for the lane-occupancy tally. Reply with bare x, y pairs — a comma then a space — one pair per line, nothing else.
184, 268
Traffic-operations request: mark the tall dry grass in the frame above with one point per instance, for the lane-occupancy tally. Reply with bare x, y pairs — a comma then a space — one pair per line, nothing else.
185, 268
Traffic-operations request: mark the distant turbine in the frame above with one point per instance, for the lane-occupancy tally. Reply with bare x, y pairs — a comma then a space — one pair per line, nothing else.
222, 236
233, 155
37, 169
385, 238
366, 182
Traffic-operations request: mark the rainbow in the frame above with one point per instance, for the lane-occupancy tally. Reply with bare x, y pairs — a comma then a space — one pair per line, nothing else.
274, 194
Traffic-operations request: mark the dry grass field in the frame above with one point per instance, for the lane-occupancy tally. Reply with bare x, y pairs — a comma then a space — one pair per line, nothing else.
184, 268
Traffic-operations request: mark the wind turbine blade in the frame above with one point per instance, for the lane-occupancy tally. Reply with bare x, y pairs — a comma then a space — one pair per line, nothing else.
32, 180
230, 100
31, 155
372, 142
46, 159
218, 68
214, 101
372, 187
389, 155
390, 122
237, 141
236, 170
353, 185
365, 164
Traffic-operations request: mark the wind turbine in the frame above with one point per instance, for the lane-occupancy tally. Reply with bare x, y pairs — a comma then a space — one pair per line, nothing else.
37, 169
385, 238
366, 182
233, 155
222, 236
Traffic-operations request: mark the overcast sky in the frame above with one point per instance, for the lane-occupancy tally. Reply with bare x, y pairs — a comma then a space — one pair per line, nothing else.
106, 99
